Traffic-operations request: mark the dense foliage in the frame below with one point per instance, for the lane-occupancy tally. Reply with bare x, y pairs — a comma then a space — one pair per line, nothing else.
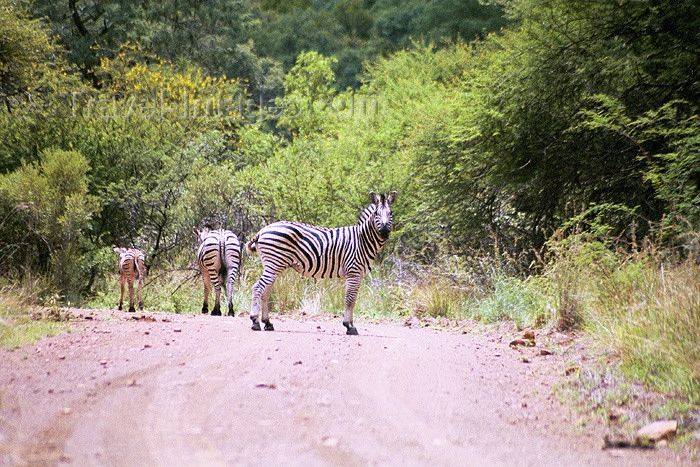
129, 123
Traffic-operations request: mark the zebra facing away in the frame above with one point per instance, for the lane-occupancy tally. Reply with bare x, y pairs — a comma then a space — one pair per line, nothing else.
219, 257
131, 268
321, 253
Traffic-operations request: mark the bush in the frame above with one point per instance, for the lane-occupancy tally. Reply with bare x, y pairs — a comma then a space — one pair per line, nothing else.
47, 210
21, 321
526, 302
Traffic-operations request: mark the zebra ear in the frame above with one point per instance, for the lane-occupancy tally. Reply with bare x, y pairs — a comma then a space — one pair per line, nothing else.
197, 233
392, 197
373, 198
118, 250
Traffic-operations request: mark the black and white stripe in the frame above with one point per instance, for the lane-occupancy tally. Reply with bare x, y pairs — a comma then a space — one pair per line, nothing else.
131, 268
321, 253
219, 257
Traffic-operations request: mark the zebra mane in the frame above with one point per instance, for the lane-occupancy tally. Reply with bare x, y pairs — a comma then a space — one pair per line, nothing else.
366, 213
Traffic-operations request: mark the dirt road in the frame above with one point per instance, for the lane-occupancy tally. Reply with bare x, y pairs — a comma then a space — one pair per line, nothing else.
165, 390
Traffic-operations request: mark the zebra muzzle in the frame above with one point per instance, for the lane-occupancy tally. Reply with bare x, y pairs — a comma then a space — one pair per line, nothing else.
384, 231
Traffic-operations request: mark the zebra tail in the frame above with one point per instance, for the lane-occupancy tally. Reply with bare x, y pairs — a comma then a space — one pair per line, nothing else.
139, 266
251, 246
223, 269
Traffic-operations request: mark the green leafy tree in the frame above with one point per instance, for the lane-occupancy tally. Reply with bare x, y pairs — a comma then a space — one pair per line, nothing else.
33, 79
285, 35
357, 32
47, 212
24, 49
308, 95
399, 23
213, 35
525, 138
674, 172
354, 18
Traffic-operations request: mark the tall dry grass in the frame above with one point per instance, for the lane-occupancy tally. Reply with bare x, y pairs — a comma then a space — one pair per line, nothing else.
649, 311
26, 317
643, 304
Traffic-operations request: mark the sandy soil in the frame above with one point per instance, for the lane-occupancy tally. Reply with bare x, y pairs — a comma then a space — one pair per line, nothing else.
163, 390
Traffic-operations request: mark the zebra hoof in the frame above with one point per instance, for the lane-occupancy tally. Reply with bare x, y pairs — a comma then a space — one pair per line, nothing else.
269, 326
230, 310
216, 312
255, 326
352, 331
131, 309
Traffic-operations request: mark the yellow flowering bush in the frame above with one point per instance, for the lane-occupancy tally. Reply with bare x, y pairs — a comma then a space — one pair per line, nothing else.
143, 82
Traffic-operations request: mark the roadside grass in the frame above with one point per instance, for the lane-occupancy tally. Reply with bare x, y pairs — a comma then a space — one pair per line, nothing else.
23, 321
177, 291
526, 302
601, 391
640, 310
645, 309
651, 315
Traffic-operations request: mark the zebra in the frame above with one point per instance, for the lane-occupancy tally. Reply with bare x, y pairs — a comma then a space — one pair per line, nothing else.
219, 257
321, 253
131, 267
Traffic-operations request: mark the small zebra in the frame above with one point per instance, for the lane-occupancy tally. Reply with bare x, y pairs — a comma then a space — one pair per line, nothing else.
219, 257
321, 253
131, 267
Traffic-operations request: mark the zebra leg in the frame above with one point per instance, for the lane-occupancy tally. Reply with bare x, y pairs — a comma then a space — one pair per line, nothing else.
261, 295
121, 296
352, 286
140, 295
131, 296
255, 304
217, 304
266, 310
207, 289
229, 292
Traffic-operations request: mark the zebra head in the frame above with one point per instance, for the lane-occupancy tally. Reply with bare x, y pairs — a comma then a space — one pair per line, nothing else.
123, 254
381, 218
119, 250
200, 234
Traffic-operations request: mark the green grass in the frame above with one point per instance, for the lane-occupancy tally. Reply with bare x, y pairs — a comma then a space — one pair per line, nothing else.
640, 305
525, 302
169, 291
641, 311
650, 314
602, 387
22, 322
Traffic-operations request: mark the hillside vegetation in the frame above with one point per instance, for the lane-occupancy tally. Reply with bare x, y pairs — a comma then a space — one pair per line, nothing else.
546, 154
